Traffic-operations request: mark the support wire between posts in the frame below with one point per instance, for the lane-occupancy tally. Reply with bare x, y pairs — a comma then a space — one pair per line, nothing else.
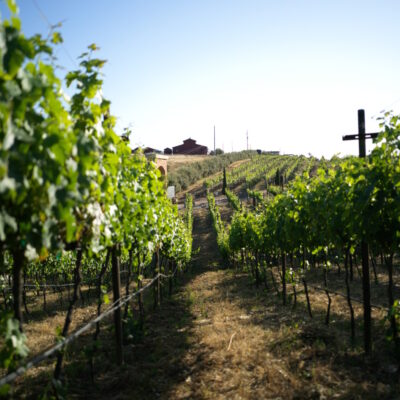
51, 352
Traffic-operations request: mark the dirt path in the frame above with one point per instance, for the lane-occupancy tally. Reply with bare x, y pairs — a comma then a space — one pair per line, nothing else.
238, 337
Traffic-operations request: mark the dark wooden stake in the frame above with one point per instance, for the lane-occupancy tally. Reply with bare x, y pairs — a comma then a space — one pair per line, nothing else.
128, 281
116, 282
99, 303
305, 284
373, 263
17, 289
161, 269
170, 272
307, 297
140, 297
158, 266
352, 322
24, 295
364, 246
68, 318
351, 267
224, 182
99, 292
328, 310
284, 278
156, 291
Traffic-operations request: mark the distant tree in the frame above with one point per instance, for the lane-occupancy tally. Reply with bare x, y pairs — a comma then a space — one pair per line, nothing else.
218, 152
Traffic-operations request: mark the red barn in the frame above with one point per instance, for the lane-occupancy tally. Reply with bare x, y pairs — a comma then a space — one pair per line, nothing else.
190, 146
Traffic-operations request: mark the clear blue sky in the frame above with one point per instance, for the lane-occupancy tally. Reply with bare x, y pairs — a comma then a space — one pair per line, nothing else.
292, 73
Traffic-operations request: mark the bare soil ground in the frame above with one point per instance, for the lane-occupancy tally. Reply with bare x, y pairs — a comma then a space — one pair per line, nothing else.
219, 337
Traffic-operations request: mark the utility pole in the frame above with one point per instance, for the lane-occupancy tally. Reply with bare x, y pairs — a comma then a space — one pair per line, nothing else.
361, 136
247, 138
214, 140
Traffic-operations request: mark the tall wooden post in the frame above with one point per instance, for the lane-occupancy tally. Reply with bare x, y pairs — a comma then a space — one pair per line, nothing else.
361, 134
116, 282
364, 249
366, 286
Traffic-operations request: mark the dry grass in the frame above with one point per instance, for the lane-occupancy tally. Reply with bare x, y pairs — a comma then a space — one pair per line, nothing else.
40, 325
275, 352
177, 160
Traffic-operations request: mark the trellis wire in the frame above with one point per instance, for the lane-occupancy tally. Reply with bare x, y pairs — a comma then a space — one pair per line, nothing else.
50, 352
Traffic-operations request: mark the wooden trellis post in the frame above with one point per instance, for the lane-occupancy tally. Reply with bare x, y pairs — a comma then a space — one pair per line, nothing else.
361, 136
116, 283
